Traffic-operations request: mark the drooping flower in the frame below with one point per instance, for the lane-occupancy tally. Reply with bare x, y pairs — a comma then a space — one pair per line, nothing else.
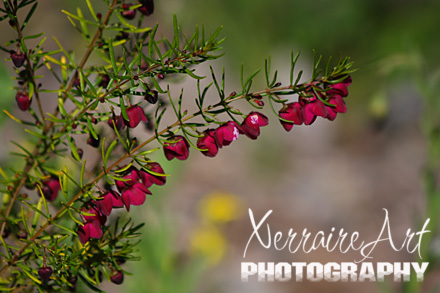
23, 101
291, 112
134, 195
93, 225
147, 7
208, 143
340, 88
117, 278
127, 12
252, 123
45, 272
50, 188
149, 179
178, 148
131, 176
116, 122
317, 107
339, 104
18, 58
308, 116
227, 133
109, 200
135, 115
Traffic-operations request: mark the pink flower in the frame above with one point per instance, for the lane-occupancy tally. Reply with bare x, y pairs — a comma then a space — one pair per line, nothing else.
308, 116
134, 195
317, 107
50, 189
293, 113
110, 199
23, 101
92, 226
178, 149
339, 104
227, 133
208, 143
135, 115
149, 179
340, 88
131, 176
252, 123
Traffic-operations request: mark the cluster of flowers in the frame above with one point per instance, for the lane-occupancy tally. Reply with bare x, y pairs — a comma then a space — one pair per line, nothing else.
132, 190
308, 108
214, 139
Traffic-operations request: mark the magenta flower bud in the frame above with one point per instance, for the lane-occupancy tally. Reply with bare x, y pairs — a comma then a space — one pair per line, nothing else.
147, 7
208, 143
178, 149
291, 112
151, 97
252, 123
117, 278
23, 101
45, 273
50, 189
18, 58
149, 179
127, 12
227, 133
339, 103
340, 88
117, 121
136, 115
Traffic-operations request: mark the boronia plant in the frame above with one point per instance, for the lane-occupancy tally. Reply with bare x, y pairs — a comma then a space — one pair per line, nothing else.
57, 224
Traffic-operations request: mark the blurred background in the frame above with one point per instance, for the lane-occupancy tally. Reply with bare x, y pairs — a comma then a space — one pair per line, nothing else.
338, 174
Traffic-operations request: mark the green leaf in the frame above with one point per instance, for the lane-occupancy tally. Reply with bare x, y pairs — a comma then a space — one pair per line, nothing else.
83, 169
29, 15
123, 109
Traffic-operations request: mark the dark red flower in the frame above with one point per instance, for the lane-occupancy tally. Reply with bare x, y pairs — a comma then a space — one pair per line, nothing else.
177, 147
50, 189
149, 179
92, 226
18, 58
45, 273
317, 107
252, 123
23, 101
291, 112
131, 176
147, 7
117, 278
93, 142
307, 115
136, 115
116, 122
208, 143
340, 88
134, 195
151, 97
105, 79
339, 103
227, 133
127, 12
110, 199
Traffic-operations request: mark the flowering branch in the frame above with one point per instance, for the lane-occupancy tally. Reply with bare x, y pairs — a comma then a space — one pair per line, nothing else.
75, 242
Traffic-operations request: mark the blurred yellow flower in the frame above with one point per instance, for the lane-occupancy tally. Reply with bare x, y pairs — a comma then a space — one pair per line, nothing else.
220, 207
210, 243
